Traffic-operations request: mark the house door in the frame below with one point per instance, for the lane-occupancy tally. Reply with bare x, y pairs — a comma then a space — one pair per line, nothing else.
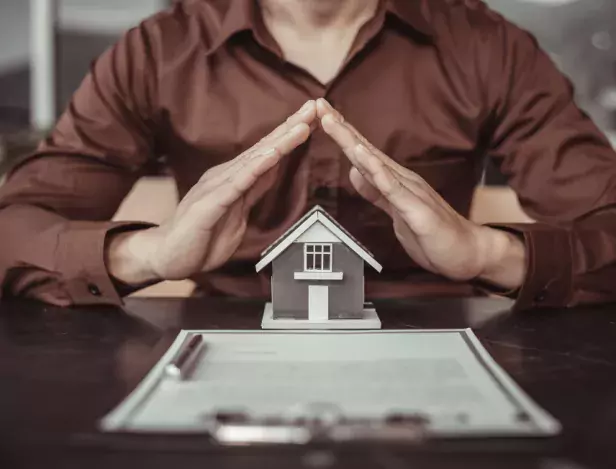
318, 303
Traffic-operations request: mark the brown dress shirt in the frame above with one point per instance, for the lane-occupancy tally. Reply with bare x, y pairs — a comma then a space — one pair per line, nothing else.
438, 85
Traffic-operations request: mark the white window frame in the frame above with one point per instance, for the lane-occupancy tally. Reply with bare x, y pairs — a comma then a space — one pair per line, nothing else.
322, 254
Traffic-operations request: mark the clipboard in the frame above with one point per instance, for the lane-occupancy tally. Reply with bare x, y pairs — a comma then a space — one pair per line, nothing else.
251, 387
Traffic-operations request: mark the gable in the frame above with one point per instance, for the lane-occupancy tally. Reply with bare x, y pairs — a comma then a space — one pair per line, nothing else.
317, 214
296, 226
318, 233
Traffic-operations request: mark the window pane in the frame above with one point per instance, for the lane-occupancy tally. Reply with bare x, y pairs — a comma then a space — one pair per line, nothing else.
327, 261
318, 248
309, 261
317, 262
309, 247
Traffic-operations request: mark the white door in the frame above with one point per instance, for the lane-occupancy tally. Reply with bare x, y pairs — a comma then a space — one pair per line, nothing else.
318, 301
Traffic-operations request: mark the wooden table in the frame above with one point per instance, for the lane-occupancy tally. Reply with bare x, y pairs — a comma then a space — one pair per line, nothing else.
63, 369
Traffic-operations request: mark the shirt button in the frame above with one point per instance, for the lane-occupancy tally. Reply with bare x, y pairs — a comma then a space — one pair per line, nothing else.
323, 192
541, 296
94, 290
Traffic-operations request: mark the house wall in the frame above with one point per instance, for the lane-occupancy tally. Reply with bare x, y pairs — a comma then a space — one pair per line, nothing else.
290, 297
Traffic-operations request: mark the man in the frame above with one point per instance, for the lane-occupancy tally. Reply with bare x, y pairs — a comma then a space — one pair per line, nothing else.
400, 102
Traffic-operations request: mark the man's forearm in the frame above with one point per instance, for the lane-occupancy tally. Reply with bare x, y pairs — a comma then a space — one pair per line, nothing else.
127, 257
505, 259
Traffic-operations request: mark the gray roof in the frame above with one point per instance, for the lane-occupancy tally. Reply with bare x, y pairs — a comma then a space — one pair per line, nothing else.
316, 208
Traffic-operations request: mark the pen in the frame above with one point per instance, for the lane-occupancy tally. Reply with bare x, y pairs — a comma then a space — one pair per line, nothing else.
189, 350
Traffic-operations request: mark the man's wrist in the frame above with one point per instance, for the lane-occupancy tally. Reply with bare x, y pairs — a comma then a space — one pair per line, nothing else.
128, 256
504, 258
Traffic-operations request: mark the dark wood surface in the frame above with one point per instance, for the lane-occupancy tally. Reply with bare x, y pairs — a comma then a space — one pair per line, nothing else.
62, 369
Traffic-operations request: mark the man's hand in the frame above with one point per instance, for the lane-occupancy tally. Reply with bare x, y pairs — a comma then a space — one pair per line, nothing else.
209, 223
433, 234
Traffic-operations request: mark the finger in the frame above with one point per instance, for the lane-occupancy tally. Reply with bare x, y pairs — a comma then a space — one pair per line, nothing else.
402, 203
305, 115
368, 191
332, 116
232, 184
349, 140
346, 136
214, 205
285, 144
414, 185
292, 139
324, 107
212, 182
342, 135
314, 126
233, 165
218, 169
385, 181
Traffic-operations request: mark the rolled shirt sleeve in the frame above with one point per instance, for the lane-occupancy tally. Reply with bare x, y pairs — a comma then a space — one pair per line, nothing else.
563, 170
56, 204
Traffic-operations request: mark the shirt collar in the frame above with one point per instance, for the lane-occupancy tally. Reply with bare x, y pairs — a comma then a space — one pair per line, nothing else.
242, 15
411, 12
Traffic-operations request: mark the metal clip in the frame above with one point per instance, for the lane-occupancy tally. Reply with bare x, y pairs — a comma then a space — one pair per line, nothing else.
313, 422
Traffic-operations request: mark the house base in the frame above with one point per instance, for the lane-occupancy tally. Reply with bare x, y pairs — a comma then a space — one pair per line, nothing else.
370, 320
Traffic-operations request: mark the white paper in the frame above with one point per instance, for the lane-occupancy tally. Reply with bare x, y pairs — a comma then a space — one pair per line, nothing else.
445, 375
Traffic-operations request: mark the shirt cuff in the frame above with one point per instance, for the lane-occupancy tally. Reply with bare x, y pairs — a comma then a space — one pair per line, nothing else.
549, 266
81, 260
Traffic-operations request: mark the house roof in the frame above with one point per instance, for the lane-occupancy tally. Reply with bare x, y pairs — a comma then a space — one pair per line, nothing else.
316, 214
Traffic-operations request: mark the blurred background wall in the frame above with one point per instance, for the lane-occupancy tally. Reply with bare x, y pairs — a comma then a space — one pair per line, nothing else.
580, 36
85, 29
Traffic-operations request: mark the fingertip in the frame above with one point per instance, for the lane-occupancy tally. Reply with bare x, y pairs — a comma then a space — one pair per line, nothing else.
310, 110
324, 102
307, 113
355, 177
294, 137
311, 103
321, 108
302, 128
328, 122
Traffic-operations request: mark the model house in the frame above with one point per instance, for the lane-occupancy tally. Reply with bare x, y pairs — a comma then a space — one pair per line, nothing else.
318, 276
